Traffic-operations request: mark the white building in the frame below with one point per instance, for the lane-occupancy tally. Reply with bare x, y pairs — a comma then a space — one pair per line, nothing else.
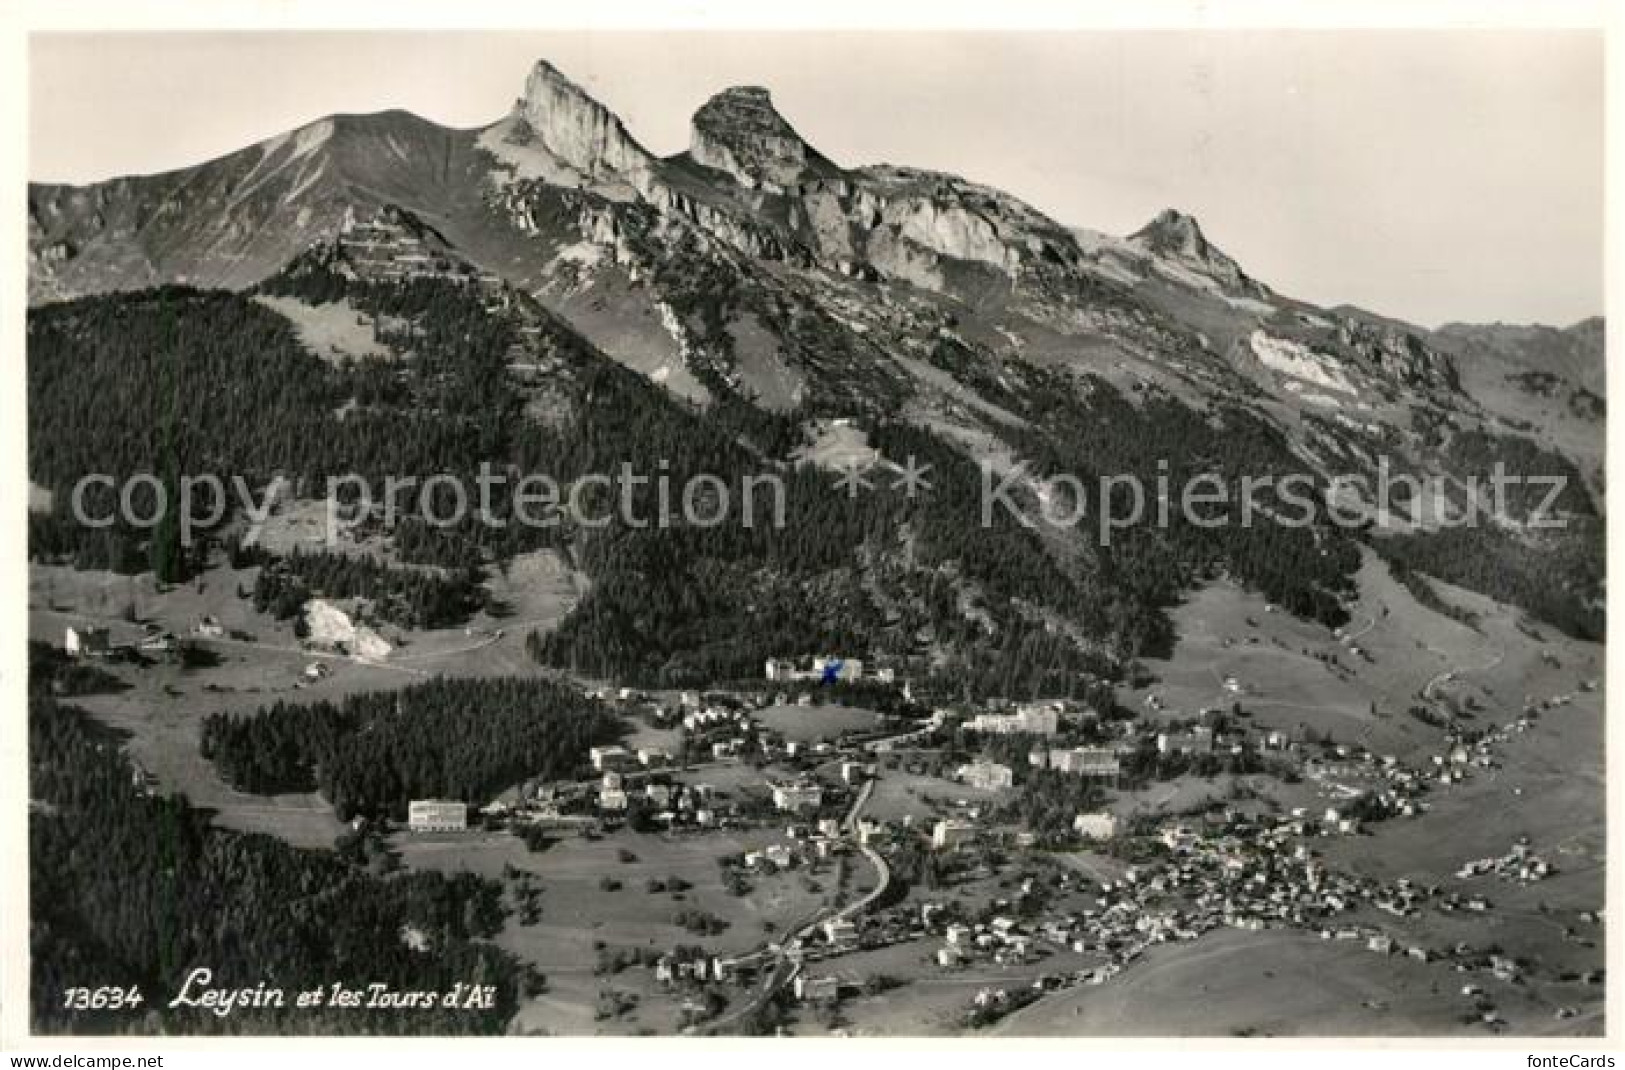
830, 666
610, 757
86, 642
1032, 720
817, 989
986, 775
436, 815
1095, 826
1086, 761
797, 796
949, 834
840, 932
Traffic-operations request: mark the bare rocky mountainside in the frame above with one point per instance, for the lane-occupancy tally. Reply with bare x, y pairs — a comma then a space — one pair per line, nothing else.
753, 274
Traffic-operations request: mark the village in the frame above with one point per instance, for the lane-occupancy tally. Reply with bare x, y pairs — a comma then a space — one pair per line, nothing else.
1155, 878
957, 879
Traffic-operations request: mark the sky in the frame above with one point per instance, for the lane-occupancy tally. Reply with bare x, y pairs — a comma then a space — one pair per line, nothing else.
1432, 175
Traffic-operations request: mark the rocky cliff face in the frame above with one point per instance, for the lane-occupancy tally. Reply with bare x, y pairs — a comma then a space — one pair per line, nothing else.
739, 132
576, 129
1400, 355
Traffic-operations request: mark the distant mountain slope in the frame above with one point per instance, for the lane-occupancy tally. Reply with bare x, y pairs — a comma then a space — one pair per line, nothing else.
238, 219
1575, 352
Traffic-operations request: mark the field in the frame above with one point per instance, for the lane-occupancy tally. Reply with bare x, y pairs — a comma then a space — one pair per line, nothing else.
900, 795
578, 914
1291, 673
335, 331
1271, 983
809, 724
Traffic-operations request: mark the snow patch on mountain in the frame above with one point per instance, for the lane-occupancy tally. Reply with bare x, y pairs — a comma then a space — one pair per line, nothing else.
281, 152
305, 182
1299, 362
308, 139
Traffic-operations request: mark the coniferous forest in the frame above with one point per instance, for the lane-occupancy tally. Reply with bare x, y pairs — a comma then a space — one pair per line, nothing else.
370, 754
134, 890
677, 605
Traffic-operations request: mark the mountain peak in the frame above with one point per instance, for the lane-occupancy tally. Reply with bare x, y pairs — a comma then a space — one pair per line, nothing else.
574, 127
1176, 237
740, 132
1174, 233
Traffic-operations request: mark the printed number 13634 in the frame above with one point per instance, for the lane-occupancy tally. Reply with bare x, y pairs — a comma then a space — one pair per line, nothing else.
105, 998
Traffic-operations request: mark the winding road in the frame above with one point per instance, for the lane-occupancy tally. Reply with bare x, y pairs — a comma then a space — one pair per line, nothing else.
786, 957
1451, 674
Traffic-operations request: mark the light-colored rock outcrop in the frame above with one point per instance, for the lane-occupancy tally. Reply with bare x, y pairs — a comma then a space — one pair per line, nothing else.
739, 132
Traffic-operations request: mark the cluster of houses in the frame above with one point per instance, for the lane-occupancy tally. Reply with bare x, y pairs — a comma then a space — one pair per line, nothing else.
1395, 789
1231, 870
698, 966
1519, 864
89, 641
1238, 871
1386, 785
673, 805
1245, 870
723, 733
823, 669
1004, 940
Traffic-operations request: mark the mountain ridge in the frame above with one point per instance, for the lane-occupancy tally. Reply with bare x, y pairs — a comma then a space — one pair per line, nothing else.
763, 296
750, 264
